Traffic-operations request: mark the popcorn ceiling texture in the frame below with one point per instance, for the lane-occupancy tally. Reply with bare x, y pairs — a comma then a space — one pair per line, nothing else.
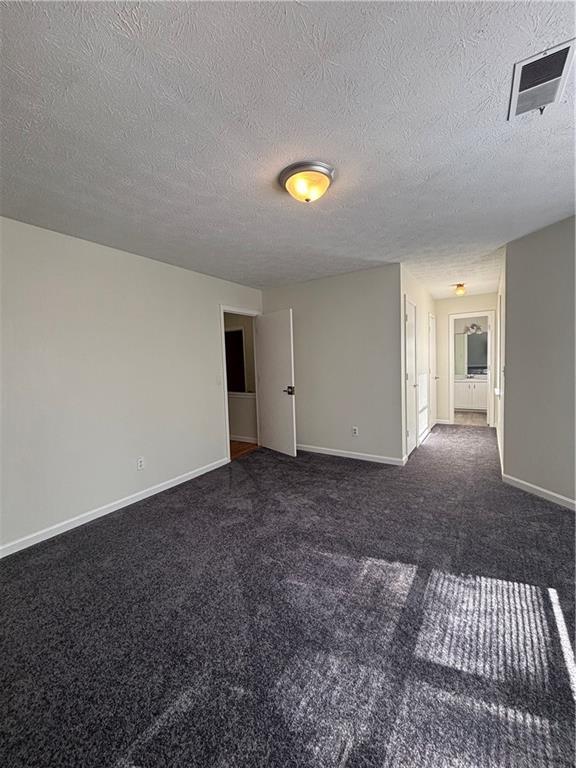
160, 128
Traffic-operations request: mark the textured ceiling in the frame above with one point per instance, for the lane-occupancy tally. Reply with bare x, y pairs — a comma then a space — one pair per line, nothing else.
159, 128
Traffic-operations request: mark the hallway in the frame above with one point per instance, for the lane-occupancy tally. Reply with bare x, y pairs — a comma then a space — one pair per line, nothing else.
470, 418
314, 611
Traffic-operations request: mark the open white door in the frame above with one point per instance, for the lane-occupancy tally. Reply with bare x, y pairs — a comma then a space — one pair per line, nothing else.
411, 381
432, 369
275, 381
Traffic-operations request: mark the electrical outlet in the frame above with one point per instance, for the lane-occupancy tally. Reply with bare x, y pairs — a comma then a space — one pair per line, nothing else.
355, 431
140, 463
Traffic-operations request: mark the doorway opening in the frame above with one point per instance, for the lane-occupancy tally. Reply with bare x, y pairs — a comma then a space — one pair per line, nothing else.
471, 366
240, 371
258, 380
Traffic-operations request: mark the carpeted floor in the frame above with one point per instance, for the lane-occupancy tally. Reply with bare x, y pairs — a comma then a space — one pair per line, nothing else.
316, 612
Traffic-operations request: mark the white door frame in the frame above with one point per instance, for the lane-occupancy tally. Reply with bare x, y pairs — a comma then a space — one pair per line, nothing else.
405, 442
490, 314
249, 313
432, 415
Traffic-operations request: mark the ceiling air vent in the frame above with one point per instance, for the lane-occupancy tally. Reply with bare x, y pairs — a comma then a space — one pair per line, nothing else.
540, 80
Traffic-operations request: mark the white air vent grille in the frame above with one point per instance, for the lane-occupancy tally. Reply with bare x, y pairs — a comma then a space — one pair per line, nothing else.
540, 80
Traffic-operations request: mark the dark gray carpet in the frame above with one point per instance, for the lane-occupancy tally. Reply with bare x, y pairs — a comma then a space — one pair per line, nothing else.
299, 612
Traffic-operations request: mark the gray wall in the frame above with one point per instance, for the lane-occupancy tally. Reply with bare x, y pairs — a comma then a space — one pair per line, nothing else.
539, 373
106, 356
347, 359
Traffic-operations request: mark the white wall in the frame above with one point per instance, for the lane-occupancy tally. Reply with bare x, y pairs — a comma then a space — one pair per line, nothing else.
347, 347
106, 356
461, 323
539, 395
242, 416
444, 308
415, 291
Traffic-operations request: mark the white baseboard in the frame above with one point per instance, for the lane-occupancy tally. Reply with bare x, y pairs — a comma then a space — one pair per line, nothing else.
244, 439
424, 436
443, 421
353, 455
86, 517
564, 636
563, 501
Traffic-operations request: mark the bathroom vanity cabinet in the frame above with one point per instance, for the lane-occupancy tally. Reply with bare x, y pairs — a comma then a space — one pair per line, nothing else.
471, 395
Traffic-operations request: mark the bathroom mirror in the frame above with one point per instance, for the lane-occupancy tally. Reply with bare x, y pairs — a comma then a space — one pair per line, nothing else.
470, 346
477, 351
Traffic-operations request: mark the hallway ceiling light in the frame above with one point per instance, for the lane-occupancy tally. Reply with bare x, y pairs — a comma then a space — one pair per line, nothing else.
306, 182
459, 289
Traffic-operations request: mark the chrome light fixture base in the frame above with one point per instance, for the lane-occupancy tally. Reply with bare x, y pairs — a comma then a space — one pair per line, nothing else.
314, 165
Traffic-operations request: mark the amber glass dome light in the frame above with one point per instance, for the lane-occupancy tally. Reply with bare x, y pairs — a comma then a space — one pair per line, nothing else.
306, 182
459, 289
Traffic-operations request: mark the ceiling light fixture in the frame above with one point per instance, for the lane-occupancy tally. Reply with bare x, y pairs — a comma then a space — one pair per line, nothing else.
306, 182
459, 289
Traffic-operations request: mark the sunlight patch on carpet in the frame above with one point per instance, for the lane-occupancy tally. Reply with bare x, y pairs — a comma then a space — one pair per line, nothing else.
437, 728
487, 627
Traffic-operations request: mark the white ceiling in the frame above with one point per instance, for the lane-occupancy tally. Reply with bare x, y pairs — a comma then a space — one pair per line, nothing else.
160, 128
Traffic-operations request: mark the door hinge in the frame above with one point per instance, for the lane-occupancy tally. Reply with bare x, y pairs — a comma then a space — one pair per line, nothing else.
290, 390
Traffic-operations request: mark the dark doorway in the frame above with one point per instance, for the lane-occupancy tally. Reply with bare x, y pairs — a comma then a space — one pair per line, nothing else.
235, 367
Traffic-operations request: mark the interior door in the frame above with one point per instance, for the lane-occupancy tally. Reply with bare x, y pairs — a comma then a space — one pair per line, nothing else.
432, 370
411, 382
275, 393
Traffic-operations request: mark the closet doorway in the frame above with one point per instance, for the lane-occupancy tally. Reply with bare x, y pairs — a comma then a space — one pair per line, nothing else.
240, 383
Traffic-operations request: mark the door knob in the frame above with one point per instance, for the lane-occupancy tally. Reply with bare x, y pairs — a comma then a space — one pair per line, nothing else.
289, 390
